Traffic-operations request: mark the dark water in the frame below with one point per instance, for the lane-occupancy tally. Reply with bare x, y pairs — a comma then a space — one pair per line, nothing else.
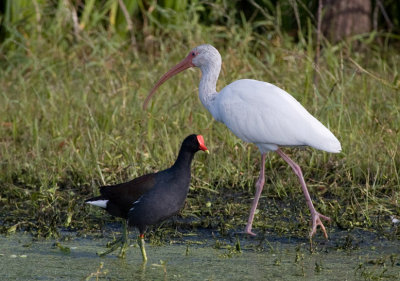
342, 258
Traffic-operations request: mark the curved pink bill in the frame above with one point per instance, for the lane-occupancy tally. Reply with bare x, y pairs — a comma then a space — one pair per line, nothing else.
184, 64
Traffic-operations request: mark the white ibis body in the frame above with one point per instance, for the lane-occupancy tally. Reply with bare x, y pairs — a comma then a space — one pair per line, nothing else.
260, 113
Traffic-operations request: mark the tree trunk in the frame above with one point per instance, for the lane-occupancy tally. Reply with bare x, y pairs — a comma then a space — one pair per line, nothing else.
344, 18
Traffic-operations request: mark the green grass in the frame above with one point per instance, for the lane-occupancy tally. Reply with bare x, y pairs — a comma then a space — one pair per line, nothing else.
71, 120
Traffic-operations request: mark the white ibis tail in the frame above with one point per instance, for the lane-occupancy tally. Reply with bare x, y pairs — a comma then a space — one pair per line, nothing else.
260, 113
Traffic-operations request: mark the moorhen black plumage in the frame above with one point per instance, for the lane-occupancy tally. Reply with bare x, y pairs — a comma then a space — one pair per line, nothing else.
150, 198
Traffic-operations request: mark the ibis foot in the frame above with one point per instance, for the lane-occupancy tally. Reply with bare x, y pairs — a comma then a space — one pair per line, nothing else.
316, 220
249, 232
245, 232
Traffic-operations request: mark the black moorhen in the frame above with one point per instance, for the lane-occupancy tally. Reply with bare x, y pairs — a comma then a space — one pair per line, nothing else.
150, 198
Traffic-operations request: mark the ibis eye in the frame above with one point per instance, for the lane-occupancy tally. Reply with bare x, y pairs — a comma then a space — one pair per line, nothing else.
193, 54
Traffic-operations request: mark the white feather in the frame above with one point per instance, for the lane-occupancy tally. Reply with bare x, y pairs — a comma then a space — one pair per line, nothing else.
261, 113
99, 203
133, 205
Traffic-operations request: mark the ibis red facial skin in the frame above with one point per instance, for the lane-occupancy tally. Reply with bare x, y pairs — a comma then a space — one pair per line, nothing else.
260, 113
151, 198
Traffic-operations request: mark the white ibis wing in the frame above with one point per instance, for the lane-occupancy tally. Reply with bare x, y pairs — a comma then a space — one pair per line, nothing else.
262, 113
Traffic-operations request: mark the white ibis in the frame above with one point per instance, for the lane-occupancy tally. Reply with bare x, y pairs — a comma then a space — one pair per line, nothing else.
260, 113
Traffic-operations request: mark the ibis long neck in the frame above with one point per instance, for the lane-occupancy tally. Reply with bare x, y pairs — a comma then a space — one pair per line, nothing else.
208, 84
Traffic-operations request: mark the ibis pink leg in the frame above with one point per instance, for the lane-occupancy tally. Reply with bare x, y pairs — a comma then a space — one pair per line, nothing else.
316, 217
259, 188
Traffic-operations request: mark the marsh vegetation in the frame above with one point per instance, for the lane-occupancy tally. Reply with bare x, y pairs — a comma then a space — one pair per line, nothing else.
71, 120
